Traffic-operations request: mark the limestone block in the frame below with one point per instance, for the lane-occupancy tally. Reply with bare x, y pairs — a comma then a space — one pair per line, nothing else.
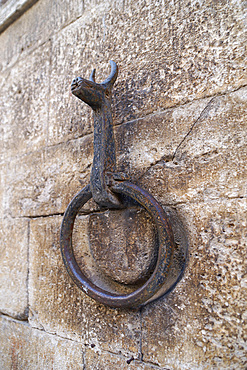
144, 142
202, 322
123, 244
14, 267
210, 177
210, 163
67, 311
44, 182
63, 310
34, 31
9, 12
24, 105
166, 55
115, 330
221, 126
69, 117
25, 348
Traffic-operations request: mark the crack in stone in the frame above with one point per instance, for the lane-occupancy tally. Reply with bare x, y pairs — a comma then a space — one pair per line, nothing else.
205, 110
90, 133
41, 216
59, 336
169, 158
102, 210
17, 319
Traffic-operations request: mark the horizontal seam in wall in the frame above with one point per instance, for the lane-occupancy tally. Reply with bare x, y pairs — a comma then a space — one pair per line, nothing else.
154, 114
55, 33
58, 336
171, 205
19, 11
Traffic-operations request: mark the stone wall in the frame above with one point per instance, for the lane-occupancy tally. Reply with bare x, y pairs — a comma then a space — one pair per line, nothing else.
179, 107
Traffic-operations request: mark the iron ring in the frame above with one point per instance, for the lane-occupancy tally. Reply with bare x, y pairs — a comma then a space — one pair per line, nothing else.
157, 284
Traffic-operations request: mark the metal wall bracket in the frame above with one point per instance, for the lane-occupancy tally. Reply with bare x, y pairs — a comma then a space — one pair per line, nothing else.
105, 187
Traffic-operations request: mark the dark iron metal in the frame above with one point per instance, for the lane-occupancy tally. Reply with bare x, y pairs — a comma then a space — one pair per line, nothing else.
98, 97
105, 185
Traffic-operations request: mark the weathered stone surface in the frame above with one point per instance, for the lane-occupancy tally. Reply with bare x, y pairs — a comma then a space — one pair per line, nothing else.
25, 348
202, 322
222, 126
108, 361
71, 118
179, 106
12, 10
123, 244
115, 247
200, 42
209, 177
34, 31
114, 330
67, 310
211, 161
142, 143
63, 311
14, 267
24, 105
166, 56
44, 182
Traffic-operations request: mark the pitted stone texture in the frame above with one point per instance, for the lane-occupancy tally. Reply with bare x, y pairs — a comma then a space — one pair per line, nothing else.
16, 45
202, 322
100, 272
44, 182
180, 56
69, 117
167, 55
215, 175
67, 311
24, 105
114, 330
64, 310
221, 126
25, 348
144, 142
123, 244
168, 128
14, 267
210, 163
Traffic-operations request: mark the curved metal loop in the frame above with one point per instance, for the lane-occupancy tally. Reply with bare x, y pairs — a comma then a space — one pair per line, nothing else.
154, 286
105, 184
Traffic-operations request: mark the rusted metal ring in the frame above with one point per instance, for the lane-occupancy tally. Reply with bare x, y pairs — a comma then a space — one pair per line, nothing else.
156, 285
